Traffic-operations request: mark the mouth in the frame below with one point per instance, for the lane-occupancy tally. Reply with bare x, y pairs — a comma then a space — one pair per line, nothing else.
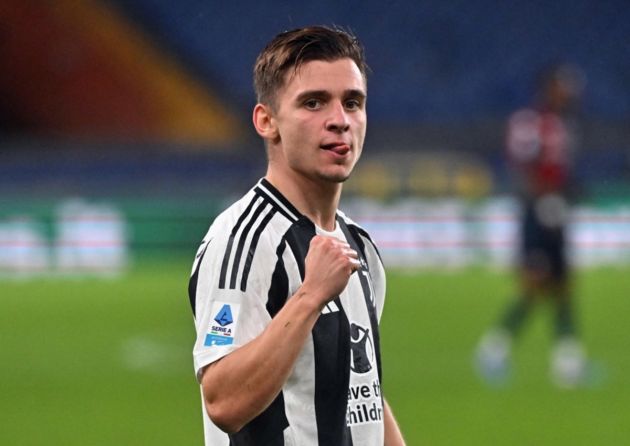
339, 148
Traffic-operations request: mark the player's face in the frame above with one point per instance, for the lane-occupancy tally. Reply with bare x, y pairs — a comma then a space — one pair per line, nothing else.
321, 120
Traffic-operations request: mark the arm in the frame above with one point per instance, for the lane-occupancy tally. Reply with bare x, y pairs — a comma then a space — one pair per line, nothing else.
241, 385
393, 436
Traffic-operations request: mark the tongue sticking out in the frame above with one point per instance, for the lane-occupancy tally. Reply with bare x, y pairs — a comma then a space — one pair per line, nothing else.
339, 149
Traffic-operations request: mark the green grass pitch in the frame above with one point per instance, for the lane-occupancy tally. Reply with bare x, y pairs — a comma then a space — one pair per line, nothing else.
108, 362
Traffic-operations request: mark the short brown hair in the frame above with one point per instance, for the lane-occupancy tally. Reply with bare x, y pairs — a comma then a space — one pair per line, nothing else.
291, 49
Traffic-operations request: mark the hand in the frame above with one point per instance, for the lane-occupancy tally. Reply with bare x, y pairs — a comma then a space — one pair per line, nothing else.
328, 266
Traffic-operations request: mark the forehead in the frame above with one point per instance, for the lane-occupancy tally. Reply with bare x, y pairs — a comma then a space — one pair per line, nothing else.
341, 74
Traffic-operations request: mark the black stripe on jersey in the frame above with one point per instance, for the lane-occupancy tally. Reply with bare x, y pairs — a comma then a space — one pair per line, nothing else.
331, 345
192, 283
241, 242
266, 429
353, 235
252, 248
273, 195
279, 288
228, 249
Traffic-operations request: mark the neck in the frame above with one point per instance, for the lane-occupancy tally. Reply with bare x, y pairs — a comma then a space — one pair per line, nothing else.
315, 198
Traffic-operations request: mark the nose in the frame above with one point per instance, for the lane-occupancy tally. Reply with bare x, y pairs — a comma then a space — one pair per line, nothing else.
338, 120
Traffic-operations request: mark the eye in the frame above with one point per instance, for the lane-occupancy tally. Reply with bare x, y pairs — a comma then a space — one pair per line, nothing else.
353, 104
312, 104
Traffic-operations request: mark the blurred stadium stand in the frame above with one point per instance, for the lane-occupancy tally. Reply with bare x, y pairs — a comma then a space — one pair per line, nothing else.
147, 103
432, 61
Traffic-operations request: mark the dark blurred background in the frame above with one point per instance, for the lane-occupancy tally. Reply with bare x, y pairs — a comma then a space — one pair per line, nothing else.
138, 111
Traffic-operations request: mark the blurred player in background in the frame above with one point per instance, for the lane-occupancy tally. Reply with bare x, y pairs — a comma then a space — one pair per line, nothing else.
540, 142
287, 291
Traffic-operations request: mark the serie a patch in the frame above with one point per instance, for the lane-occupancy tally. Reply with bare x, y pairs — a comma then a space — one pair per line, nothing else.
223, 324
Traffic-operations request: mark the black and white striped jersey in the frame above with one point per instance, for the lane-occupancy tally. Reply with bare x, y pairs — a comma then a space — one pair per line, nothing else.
249, 263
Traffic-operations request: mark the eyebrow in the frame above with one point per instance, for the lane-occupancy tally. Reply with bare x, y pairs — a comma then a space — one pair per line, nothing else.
324, 94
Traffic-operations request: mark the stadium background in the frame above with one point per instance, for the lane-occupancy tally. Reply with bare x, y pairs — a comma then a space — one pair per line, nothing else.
125, 128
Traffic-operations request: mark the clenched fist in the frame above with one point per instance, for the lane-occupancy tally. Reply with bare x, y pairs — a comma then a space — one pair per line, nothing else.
328, 266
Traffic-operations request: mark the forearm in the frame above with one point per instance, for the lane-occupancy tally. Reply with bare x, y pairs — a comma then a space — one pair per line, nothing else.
393, 435
241, 385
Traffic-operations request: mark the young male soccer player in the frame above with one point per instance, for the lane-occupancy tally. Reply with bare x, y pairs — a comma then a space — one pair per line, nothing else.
287, 291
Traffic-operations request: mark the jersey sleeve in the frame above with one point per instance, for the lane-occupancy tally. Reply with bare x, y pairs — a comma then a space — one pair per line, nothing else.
227, 314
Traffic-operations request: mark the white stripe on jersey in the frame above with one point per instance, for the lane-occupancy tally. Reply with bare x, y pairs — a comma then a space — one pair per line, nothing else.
330, 307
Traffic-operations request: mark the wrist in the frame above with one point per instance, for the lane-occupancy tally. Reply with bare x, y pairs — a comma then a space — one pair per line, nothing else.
311, 296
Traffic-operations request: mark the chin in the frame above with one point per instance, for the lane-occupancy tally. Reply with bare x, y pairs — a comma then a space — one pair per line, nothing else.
334, 177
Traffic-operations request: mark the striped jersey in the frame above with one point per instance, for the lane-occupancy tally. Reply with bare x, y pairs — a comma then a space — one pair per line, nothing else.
249, 263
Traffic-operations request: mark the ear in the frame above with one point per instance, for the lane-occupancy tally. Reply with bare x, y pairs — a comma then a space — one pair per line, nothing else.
265, 123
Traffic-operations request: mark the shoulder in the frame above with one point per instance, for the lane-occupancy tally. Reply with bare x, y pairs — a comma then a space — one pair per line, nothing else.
234, 215
360, 235
355, 227
239, 250
256, 213
250, 228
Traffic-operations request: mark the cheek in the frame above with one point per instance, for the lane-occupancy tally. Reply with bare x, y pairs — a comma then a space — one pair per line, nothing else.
295, 129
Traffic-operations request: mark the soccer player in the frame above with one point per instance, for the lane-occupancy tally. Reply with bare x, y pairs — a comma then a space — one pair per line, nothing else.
286, 290
539, 144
